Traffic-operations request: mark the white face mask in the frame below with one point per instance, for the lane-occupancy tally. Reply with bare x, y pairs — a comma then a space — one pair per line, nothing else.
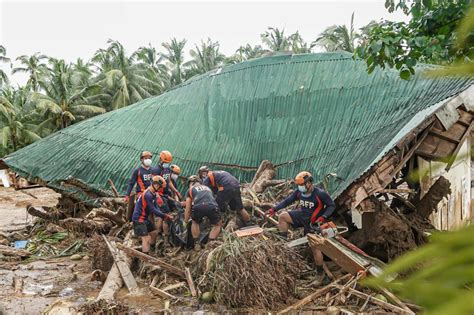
302, 189
147, 162
166, 165
174, 177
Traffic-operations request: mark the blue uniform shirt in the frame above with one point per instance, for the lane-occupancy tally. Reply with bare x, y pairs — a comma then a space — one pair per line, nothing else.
145, 205
221, 180
318, 202
142, 177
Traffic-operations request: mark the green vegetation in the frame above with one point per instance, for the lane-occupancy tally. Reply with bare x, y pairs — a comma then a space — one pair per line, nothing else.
431, 36
58, 94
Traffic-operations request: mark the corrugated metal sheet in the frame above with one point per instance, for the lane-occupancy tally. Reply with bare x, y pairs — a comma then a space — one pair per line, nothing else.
316, 112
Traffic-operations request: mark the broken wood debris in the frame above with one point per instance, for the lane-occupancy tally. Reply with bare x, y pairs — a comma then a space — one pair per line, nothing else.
122, 266
162, 293
152, 260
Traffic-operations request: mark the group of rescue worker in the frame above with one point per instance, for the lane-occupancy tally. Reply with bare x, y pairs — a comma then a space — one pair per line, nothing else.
209, 194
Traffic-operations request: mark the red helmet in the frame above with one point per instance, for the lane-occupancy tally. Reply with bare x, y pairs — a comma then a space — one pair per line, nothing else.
303, 177
166, 157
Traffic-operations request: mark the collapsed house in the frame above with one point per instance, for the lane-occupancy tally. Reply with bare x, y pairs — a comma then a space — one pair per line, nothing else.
394, 154
361, 135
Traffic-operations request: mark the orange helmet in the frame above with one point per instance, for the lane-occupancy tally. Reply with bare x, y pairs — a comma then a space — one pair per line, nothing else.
166, 157
303, 177
145, 154
159, 180
175, 169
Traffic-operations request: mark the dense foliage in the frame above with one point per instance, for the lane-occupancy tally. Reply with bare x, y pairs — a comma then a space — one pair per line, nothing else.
58, 94
431, 36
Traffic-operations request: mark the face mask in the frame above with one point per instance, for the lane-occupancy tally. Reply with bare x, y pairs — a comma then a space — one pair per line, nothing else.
174, 177
166, 165
147, 162
302, 189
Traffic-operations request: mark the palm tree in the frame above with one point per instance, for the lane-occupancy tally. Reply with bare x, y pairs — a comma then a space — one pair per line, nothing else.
82, 72
297, 44
175, 56
204, 58
3, 58
246, 52
152, 59
337, 37
125, 80
275, 39
64, 100
17, 125
35, 67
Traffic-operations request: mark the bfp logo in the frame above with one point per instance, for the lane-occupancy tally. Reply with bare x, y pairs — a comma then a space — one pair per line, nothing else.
147, 177
306, 204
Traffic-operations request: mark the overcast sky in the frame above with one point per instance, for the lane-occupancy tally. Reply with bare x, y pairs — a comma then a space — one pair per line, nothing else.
71, 29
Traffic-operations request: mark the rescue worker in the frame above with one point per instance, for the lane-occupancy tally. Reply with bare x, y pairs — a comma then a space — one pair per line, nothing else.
200, 203
202, 172
314, 206
175, 172
141, 177
166, 193
227, 190
146, 204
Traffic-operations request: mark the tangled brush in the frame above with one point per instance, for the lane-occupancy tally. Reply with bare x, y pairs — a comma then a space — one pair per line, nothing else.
252, 272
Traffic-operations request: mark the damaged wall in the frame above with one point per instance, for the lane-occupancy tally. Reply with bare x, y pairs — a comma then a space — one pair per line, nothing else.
455, 210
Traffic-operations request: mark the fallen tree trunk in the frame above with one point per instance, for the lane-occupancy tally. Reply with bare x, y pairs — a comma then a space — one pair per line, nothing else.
114, 280
264, 177
115, 217
86, 226
49, 216
15, 252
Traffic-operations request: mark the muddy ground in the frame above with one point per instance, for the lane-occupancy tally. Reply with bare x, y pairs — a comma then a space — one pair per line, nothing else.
29, 287
13, 215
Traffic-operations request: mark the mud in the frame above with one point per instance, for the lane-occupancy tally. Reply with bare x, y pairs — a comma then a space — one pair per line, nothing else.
42, 283
389, 236
13, 215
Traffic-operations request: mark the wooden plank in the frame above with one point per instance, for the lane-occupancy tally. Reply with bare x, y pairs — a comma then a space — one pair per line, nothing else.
428, 156
458, 147
407, 203
443, 136
122, 266
411, 151
189, 278
162, 293
313, 295
397, 190
174, 286
343, 260
395, 300
249, 231
114, 189
152, 260
374, 300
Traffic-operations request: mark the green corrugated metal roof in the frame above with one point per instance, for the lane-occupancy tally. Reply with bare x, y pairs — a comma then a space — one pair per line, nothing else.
316, 112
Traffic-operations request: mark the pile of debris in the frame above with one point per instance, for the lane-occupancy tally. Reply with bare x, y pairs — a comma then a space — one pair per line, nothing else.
247, 269
263, 270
